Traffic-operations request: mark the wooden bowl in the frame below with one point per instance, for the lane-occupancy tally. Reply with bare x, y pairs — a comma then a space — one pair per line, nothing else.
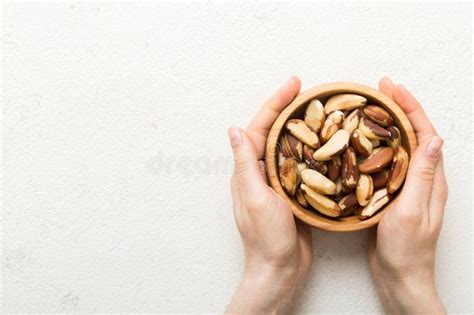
296, 109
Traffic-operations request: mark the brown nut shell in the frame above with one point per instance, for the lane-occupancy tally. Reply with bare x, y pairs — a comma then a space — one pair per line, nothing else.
318, 182
378, 160
364, 189
301, 199
372, 130
348, 204
349, 169
320, 202
395, 137
334, 147
319, 166
303, 132
289, 176
380, 179
314, 115
344, 102
379, 199
332, 124
352, 120
375, 143
379, 115
293, 147
334, 168
281, 159
399, 170
361, 144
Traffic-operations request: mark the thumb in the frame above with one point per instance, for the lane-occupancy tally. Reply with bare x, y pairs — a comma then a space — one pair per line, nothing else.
246, 167
372, 243
420, 176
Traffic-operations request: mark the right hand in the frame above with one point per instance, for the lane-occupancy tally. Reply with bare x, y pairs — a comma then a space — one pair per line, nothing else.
278, 250
402, 248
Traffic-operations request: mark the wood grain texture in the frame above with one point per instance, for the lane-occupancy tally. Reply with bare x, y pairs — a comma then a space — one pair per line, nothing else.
296, 109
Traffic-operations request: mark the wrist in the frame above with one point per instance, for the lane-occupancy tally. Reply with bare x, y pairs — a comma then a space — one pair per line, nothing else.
411, 295
266, 290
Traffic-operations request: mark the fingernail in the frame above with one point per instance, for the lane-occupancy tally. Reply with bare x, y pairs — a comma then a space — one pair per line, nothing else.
288, 83
386, 78
235, 136
434, 147
402, 88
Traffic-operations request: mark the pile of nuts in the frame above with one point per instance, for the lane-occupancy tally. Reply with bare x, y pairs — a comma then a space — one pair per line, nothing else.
344, 158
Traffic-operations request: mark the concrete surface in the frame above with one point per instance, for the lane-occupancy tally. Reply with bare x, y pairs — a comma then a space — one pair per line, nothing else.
116, 162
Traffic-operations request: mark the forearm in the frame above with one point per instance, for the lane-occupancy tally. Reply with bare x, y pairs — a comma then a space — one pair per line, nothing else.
411, 297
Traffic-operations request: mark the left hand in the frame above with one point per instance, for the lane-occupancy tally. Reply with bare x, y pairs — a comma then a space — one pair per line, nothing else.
402, 249
278, 250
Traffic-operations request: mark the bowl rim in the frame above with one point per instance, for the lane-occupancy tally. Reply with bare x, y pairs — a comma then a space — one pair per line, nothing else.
271, 150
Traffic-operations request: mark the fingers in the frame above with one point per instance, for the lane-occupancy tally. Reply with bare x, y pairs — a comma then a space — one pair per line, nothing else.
234, 189
306, 241
416, 192
439, 194
260, 125
372, 241
386, 86
262, 167
425, 183
246, 172
415, 113
236, 202
410, 106
304, 232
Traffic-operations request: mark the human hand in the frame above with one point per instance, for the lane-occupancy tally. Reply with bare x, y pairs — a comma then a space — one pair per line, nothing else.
402, 248
278, 250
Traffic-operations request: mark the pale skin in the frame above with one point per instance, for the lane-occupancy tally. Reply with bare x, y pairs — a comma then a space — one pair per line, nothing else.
278, 248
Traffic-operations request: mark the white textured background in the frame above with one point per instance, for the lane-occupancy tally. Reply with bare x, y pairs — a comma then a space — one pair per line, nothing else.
98, 98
